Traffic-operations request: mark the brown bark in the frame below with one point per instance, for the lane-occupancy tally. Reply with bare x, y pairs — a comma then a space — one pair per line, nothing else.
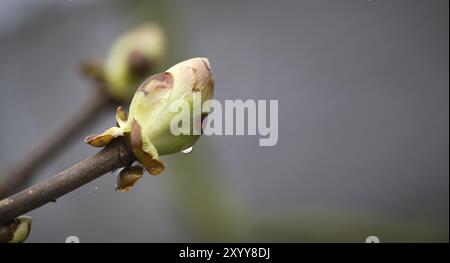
117, 154
19, 176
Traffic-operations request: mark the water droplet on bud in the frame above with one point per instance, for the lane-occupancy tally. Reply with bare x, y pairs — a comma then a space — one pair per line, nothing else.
187, 150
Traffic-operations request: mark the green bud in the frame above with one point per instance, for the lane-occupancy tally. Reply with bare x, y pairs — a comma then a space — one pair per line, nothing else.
132, 58
16, 231
148, 126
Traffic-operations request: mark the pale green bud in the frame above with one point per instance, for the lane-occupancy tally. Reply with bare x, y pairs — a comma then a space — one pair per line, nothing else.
149, 123
134, 56
16, 231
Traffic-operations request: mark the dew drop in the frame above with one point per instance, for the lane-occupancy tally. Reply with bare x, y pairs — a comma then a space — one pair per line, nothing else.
187, 150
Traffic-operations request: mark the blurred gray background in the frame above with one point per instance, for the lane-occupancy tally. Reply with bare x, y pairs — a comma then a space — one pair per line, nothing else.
363, 90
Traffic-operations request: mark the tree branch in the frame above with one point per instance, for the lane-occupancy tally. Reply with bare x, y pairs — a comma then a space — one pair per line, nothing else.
19, 176
117, 154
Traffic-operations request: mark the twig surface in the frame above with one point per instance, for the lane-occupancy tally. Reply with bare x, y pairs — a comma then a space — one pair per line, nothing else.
113, 156
19, 176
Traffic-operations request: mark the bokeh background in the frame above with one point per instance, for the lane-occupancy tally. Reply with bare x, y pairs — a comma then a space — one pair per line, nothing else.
363, 90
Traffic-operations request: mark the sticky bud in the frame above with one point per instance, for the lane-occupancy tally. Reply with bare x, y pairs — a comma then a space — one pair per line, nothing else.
148, 126
128, 177
133, 57
16, 231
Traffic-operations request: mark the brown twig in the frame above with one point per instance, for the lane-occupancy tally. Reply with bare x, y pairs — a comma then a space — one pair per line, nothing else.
117, 154
19, 176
